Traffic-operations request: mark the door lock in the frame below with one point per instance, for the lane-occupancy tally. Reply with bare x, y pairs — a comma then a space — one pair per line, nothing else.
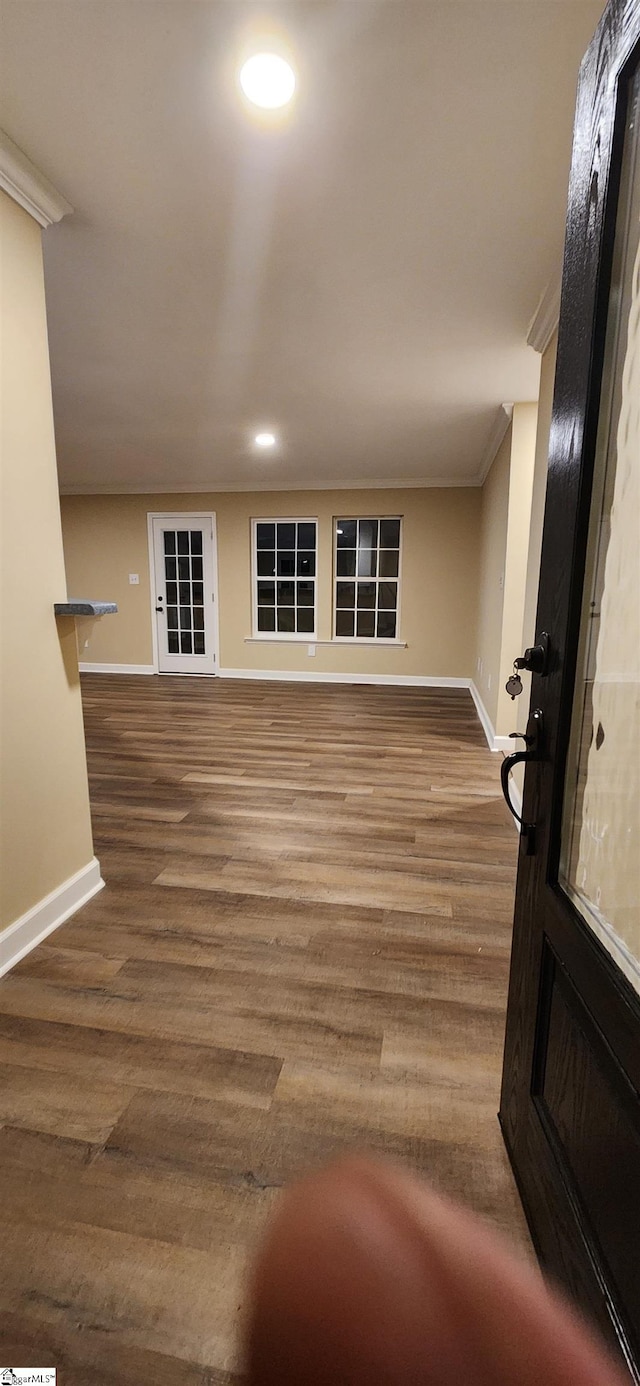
536, 658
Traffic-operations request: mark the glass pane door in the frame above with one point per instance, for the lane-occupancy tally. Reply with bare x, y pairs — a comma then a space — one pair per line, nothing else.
600, 861
184, 584
184, 610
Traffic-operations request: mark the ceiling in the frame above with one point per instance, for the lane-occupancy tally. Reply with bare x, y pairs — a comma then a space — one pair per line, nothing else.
359, 277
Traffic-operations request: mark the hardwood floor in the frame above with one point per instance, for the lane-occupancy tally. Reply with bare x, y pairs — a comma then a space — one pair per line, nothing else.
302, 947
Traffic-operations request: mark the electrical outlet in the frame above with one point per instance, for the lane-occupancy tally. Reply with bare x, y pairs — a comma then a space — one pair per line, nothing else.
311, 649
134, 579
489, 681
479, 665
501, 582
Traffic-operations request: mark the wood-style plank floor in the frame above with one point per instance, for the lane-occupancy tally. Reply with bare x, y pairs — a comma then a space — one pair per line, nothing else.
302, 948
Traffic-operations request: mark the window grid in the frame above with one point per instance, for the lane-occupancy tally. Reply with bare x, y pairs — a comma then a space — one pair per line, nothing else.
184, 587
284, 570
367, 578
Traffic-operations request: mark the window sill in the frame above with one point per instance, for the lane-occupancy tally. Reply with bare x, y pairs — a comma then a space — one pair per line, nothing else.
362, 640
281, 639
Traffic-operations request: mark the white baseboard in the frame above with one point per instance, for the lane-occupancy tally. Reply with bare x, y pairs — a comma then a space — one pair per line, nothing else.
487, 724
295, 676
304, 676
496, 743
116, 668
506, 744
34, 926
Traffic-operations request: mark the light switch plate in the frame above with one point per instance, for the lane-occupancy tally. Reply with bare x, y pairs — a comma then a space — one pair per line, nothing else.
311, 649
134, 579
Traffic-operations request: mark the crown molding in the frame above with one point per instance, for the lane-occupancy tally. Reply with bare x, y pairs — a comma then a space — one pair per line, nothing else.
223, 487
27, 186
500, 425
546, 317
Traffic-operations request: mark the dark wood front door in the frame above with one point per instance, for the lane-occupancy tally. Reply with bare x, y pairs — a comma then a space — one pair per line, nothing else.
570, 1106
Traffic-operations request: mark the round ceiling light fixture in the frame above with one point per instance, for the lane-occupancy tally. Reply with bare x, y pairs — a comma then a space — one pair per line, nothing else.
265, 440
268, 80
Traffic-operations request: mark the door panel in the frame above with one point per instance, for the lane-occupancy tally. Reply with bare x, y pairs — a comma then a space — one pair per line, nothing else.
570, 1105
588, 1110
184, 593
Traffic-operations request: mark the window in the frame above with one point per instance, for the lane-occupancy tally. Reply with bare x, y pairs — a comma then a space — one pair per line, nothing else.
284, 577
184, 586
367, 579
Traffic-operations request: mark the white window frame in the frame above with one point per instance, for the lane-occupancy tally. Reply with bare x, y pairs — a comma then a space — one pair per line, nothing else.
366, 639
305, 637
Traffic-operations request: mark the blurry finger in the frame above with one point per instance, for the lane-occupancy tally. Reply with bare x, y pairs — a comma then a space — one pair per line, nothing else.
369, 1278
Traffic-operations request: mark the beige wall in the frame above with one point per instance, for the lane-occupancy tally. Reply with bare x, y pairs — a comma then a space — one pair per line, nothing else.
45, 829
538, 496
505, 540
521, 470
518, 712
545, 406
492, 555
105, 539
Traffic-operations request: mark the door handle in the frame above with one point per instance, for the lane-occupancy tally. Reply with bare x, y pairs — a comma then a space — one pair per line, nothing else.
532, 738
508, 764
159, 608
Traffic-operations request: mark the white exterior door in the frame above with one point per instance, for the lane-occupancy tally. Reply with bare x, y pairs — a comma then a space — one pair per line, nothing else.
183, 591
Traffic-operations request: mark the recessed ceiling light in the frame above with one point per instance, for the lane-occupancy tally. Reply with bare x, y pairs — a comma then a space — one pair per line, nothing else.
268, 80
265, 440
